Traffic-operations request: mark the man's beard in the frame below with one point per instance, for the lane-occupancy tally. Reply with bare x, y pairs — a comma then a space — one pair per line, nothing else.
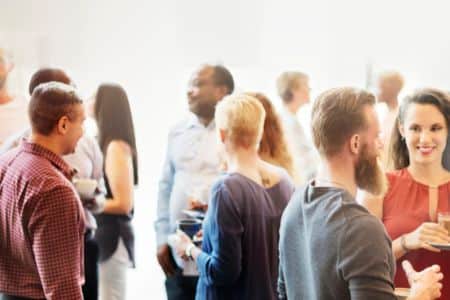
204, 110
2, 82
368, 174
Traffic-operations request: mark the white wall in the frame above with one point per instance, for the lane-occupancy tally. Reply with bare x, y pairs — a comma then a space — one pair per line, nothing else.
150, 47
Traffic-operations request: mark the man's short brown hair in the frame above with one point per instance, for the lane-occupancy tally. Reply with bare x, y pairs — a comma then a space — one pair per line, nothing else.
337, 114
49, 103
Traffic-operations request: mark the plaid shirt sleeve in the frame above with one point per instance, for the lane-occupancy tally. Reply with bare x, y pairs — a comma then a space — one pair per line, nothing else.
55, 230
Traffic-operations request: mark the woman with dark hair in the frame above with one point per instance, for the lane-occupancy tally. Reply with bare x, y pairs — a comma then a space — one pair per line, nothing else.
114, 234
273, 147
419, 187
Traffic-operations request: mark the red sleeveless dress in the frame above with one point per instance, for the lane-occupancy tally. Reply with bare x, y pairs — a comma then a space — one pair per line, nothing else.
405, 207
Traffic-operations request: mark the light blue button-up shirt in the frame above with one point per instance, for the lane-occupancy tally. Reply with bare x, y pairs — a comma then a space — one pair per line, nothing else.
306, 158
191, 166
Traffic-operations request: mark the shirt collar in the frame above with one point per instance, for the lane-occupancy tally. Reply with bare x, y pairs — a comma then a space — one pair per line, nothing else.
287, 113
193, 121
54, 158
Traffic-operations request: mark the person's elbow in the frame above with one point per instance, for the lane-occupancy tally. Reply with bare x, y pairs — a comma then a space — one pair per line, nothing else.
223, 274
125, 207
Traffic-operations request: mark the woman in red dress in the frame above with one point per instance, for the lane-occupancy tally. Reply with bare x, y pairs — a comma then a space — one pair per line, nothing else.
419, 188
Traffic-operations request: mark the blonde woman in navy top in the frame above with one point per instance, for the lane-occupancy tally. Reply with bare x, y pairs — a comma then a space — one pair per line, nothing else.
239, 255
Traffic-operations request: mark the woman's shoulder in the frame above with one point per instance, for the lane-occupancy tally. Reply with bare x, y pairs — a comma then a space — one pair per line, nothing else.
118, 147
276, 174
399, 182
398, 175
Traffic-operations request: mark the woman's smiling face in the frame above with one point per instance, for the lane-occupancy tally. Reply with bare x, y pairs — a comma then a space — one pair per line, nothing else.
425, 132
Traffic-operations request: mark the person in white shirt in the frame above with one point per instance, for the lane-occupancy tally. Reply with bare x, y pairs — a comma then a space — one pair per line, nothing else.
13, 108
293, 88
191, 166
390, 84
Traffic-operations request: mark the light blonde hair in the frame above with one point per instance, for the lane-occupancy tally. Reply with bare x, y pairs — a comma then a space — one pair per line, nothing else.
287, 82
394, 78
242, 117
337, 114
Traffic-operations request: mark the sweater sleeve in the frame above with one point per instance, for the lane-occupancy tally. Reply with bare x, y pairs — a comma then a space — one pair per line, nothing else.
223, 265
365, 259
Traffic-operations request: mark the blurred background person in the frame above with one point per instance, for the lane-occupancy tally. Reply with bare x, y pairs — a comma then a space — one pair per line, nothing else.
273, 147
114, 234
293, 88
419, 187
191, 165
87, 160
13, 108
42, 75
390, 84
239, 255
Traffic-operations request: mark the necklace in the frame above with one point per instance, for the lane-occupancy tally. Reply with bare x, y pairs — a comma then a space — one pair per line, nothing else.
331, 182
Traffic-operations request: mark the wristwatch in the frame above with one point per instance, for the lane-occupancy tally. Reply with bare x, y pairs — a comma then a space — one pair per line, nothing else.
188, 251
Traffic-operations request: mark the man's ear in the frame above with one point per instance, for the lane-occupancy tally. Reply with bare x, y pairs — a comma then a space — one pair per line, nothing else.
221, 92
355, 143
222, 135
62, 125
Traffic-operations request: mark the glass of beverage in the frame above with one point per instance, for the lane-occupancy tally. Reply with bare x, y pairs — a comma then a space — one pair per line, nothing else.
402, 293
444, 220
189, 226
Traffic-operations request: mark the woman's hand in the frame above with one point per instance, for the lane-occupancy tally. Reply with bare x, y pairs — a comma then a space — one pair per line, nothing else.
426, 234
180, 243
197, 205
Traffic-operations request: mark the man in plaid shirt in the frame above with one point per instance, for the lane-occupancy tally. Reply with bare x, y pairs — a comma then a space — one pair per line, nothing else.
41, 216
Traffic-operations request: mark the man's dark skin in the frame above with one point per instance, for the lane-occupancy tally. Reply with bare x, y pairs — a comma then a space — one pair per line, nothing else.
203, 94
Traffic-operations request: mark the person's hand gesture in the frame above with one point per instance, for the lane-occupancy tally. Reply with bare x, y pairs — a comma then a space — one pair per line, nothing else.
425, 285
426, 234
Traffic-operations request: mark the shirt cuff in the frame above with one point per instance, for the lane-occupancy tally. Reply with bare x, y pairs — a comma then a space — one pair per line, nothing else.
202, 260
161, 239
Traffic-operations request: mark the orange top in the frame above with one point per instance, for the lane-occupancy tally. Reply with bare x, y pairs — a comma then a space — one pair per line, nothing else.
406, 207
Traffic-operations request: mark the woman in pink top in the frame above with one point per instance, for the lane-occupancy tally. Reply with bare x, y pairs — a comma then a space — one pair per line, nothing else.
419, 187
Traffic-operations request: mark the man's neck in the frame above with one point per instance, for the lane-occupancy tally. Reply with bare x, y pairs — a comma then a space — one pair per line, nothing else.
338, 172
392, 105
292, 107
205, 121
5, 97
46, 142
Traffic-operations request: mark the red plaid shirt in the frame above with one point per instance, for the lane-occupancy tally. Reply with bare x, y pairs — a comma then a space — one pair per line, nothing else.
41, 226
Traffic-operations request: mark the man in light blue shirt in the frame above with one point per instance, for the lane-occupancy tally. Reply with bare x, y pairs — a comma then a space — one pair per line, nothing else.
192, 165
